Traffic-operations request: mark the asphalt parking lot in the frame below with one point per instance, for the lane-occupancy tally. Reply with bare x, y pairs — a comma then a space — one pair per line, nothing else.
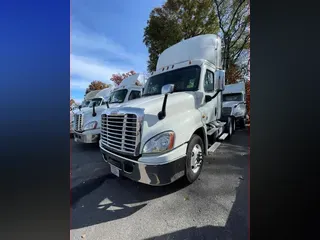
213, 207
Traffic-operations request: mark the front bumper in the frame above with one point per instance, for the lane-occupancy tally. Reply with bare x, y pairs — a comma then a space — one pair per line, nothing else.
151, 174
91, 136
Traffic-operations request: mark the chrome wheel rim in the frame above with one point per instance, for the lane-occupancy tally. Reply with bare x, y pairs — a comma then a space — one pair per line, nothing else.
196, 158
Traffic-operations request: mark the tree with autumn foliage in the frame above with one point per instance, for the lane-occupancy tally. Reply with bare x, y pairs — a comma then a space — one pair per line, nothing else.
97, 85
234, 74
248, 97
118, 78
72, 102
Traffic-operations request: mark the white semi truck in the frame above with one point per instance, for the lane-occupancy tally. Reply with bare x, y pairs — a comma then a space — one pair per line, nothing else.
87, 122
165, 134
234, 105
85, 104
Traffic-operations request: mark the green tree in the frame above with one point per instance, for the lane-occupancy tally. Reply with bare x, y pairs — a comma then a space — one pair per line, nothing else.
177, 20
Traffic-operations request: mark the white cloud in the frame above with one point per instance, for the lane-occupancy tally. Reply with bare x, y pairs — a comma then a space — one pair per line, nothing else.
84, 70
96, 57
89, 41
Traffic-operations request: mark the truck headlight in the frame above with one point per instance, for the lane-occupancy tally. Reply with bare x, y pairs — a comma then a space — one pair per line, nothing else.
160, 143
90, 125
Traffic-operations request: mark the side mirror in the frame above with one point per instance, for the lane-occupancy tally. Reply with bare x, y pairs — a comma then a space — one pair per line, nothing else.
219, 80
168, 88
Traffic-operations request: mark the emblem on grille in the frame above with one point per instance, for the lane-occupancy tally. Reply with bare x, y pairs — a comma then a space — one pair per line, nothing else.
114, 112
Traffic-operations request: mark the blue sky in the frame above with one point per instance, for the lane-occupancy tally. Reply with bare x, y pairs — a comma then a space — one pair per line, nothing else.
107, 38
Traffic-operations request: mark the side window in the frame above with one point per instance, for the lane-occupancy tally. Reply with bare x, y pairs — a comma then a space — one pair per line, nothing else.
208, 81
134, 95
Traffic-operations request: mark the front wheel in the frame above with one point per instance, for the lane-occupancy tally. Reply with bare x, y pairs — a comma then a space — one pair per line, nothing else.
194, 160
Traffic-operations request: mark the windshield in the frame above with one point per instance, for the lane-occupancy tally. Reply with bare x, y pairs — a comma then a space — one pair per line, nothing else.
95, 100
184, 79
232, 97
118, 96
85, 104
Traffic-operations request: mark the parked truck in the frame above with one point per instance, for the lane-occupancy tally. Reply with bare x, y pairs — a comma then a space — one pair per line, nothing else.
85, 104
234, 104
87, 122
164, 135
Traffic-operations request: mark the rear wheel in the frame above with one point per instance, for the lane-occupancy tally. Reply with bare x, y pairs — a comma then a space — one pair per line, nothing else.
233, 125
242, 123
194, 160
229, 127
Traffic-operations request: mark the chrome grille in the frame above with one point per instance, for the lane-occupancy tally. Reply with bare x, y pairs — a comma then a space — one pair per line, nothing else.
78, 122
120, 132
226, 111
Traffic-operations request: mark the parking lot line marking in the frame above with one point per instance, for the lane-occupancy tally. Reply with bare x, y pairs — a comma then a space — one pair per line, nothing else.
214, 147
223, 136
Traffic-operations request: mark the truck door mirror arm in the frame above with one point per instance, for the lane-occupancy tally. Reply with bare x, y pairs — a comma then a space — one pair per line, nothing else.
166, 89
94, 110
208, 98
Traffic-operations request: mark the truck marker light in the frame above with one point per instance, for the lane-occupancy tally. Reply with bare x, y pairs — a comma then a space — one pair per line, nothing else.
167, 67
171, 140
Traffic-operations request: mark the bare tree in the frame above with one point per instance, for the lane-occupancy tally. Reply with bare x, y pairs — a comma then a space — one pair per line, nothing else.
234, 20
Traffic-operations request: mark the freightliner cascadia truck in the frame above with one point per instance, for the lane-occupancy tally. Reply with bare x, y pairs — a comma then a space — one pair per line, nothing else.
164, 135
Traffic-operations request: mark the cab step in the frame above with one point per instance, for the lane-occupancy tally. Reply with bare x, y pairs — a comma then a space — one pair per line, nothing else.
214, 127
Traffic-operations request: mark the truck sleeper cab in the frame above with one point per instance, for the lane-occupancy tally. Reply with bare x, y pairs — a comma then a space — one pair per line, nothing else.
163, 136
87, 123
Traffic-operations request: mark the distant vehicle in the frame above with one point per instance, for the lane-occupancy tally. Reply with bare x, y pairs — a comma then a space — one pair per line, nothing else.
87, 122
85, 103
234, 103
164, 135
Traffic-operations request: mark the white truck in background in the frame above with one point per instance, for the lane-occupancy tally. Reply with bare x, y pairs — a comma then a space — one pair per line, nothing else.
85, 104
234, 104
164, 135
87, 122
87, 99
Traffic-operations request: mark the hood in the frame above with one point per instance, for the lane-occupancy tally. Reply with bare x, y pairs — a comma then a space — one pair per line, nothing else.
229, 104
180, 107
87, 113
179, 101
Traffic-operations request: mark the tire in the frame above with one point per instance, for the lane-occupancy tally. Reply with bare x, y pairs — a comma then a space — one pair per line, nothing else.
194, 159
233, 125
242, 124
229, 128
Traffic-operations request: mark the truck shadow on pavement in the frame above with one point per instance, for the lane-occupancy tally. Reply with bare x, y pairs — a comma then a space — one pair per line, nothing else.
117, 198
236, 227
109, 198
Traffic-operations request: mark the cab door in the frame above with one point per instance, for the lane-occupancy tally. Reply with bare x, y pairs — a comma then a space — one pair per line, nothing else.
209, 109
